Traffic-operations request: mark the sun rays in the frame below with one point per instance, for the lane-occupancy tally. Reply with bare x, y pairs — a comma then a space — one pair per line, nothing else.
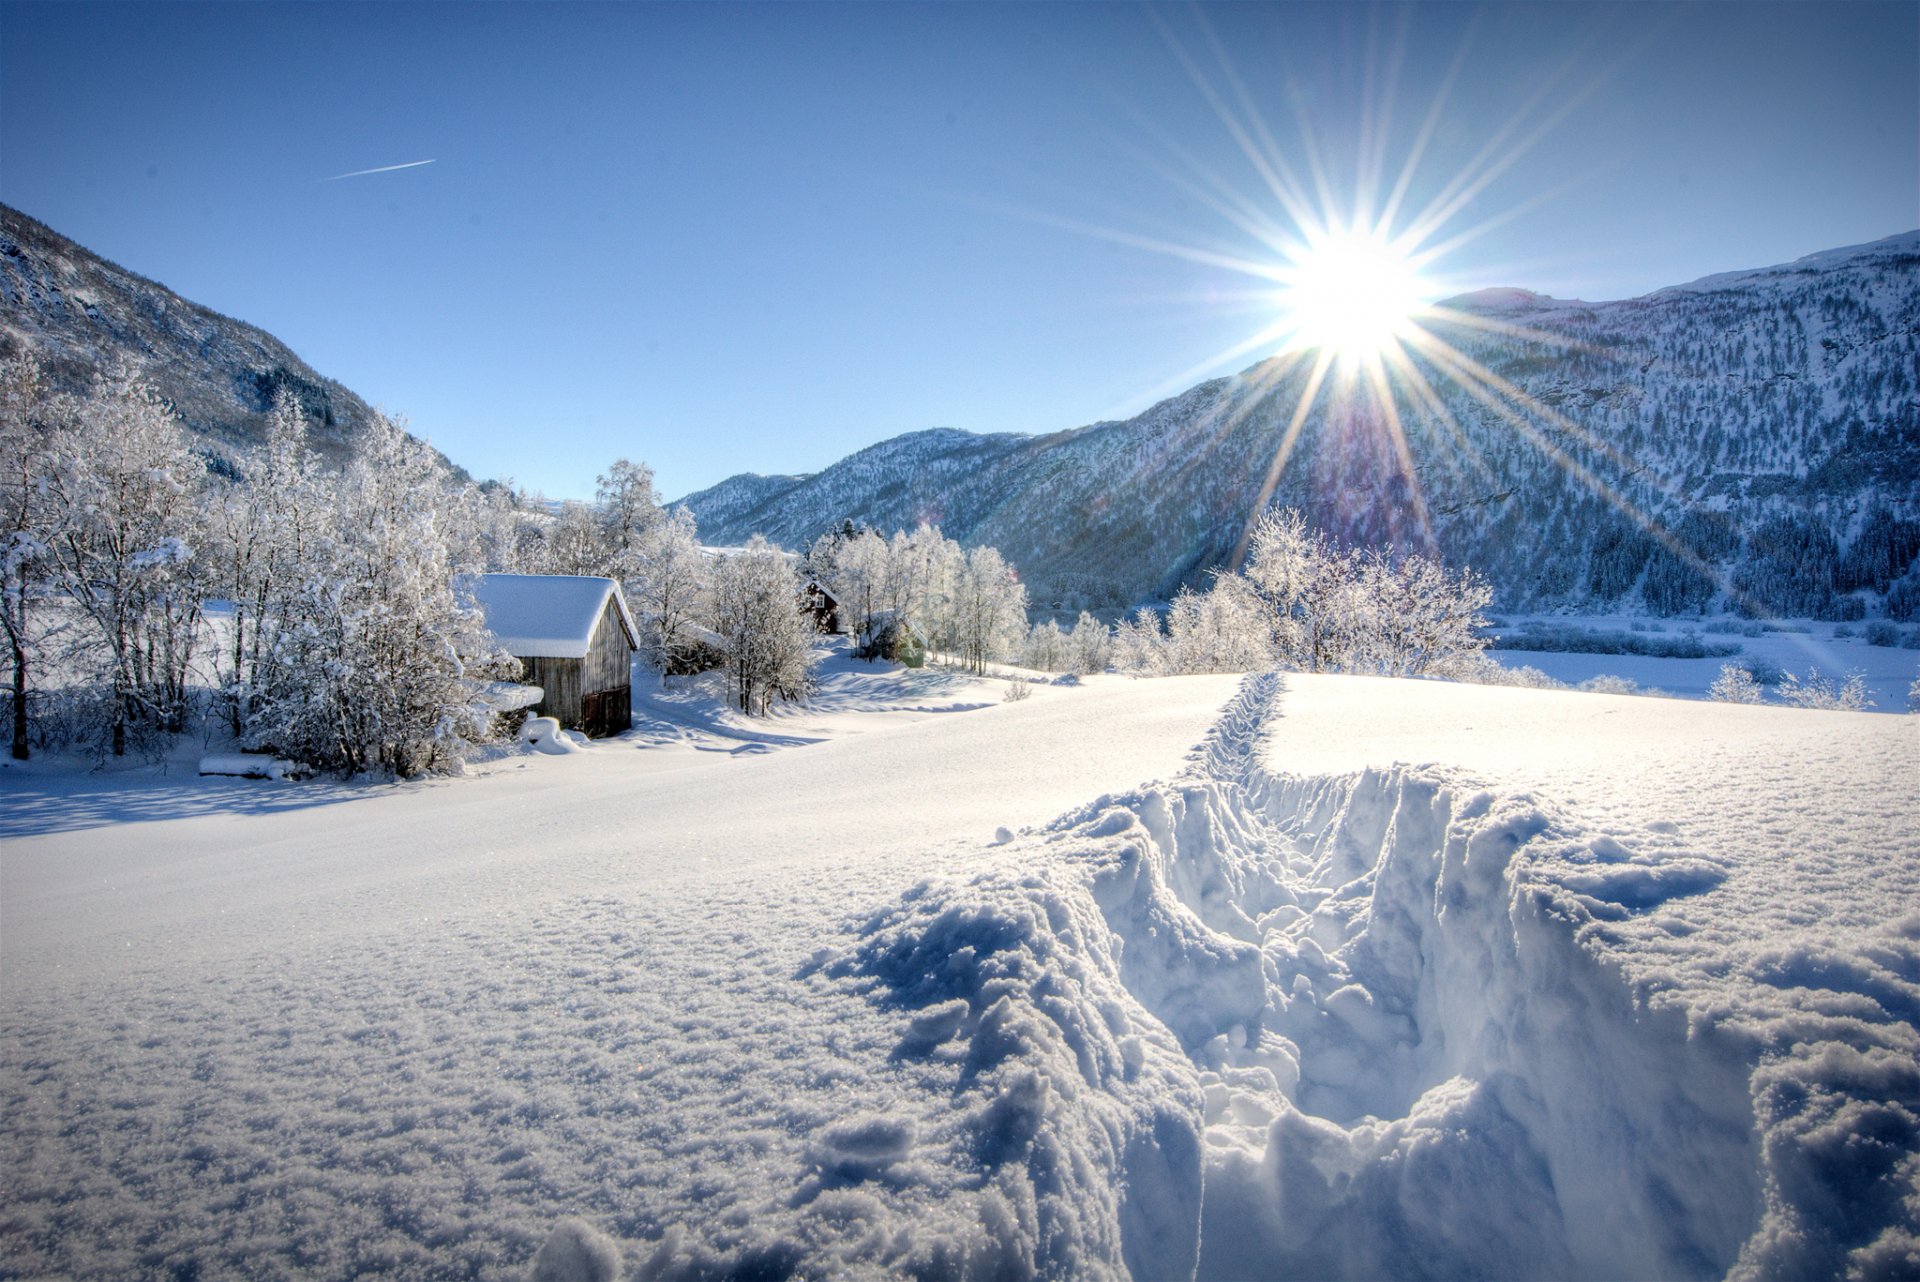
1352, 266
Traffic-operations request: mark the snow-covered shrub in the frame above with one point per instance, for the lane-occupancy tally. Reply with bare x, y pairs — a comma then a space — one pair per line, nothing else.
1913, 696
1017, 689
1818, 691
1842, 631
1882, 632
1607, 684
1482, 671
1735, 684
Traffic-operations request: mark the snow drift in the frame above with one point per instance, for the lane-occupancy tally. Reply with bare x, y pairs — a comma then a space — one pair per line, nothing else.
1385, 1023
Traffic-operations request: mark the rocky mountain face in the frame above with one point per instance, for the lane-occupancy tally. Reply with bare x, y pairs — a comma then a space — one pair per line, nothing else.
1747, 441
81, 314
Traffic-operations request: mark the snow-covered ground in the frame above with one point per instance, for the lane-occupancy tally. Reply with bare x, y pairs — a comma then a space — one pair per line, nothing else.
1380, 978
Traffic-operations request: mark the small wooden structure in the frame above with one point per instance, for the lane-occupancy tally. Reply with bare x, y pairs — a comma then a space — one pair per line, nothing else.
574, 639
817, 599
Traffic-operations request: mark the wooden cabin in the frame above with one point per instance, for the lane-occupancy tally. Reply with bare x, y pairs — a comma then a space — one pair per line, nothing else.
574, 639
820, 601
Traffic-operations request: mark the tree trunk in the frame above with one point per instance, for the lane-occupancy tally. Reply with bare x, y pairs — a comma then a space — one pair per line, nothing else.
19, 703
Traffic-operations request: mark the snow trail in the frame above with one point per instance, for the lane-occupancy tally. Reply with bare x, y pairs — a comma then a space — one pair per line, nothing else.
1420, 1044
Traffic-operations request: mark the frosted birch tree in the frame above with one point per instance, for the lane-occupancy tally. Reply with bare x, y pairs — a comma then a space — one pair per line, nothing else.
125, 493
29, 418
769, 640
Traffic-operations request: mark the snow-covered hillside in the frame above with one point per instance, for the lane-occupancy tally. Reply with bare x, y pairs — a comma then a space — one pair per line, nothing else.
83, 316
1381, 978
1767, 419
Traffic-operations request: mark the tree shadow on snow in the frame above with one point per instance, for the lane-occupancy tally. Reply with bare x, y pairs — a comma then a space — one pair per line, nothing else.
36, 805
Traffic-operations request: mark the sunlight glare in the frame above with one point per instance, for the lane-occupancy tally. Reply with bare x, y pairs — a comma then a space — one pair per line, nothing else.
1351, 295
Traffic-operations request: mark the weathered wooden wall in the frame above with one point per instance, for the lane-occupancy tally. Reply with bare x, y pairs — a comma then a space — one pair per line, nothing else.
594, 694
610, 659
560, 679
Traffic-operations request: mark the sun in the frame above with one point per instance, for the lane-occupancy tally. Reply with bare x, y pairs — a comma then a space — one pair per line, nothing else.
1352, 295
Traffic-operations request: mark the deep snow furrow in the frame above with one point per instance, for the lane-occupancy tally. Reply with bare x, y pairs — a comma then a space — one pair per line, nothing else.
1394, 994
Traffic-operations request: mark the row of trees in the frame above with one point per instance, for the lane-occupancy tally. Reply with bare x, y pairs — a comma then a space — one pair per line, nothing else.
964, 602
343, 638
345, 644
1301, 603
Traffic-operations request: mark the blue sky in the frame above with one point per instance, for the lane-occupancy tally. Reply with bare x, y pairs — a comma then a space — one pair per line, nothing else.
727, 238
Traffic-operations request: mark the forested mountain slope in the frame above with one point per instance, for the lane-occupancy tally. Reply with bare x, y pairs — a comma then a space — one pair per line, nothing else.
1748, 440
80, 314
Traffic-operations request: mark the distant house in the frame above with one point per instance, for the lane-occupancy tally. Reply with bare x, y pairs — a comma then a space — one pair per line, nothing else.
574, 639
817, 599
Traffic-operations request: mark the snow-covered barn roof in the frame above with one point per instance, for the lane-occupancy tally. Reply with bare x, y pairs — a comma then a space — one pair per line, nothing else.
548, 616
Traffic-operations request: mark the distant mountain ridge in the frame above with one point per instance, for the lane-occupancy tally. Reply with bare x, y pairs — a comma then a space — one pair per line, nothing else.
81, 314
1766, 421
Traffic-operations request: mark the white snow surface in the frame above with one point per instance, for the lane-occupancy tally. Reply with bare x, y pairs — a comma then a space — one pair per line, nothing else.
1381, 978
548, 616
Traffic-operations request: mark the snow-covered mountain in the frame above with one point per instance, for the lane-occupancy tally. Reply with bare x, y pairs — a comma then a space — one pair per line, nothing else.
1765, 424
82, 314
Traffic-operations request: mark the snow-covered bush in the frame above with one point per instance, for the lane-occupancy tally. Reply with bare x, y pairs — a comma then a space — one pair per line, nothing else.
1882, 632
1735, 684
1480, 670
1017, 689
1913, 696
1608, 684
1818, 691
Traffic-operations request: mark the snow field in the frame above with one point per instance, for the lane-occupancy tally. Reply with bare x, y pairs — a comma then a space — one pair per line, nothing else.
1625, 987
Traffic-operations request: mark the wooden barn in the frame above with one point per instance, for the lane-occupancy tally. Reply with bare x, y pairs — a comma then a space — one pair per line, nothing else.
574, 639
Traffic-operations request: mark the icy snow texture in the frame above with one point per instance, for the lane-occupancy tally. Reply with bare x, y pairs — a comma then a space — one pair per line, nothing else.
1626, 988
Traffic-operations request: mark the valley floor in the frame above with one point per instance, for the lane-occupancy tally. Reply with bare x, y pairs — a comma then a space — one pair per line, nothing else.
1379, 978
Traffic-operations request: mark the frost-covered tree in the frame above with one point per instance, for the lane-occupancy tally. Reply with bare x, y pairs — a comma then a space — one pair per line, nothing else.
1046, 648
1138, 645
1736, 684
376, 661
29, 419
125, 494
262, 529
1223, 630
1358, 611
1816, 690
769, 639
575, 543
668, 588
987, 617
628, 510
1088, 644
857, 565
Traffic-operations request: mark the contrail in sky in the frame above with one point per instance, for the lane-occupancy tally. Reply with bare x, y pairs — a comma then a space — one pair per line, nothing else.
383, 169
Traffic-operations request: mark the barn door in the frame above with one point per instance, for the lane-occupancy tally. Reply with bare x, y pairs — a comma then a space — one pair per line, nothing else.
607, 713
